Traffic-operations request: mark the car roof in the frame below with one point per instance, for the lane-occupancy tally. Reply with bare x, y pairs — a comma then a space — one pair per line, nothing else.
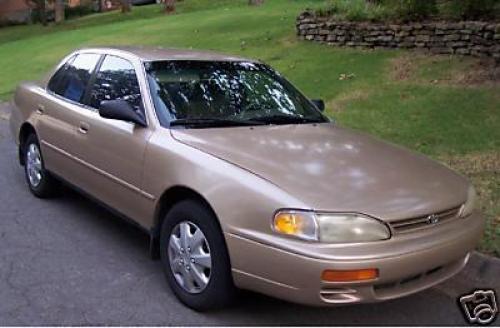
158, 53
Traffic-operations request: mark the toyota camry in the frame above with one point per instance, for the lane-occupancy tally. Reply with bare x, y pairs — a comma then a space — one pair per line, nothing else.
240, 180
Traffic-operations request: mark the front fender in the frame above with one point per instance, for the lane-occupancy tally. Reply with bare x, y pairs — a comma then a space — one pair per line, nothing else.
243, 202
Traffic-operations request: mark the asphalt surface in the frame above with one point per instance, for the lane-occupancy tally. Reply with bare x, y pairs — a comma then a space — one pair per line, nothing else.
67, 261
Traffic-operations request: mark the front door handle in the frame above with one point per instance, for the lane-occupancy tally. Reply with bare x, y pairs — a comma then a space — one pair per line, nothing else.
84, 128
40, 110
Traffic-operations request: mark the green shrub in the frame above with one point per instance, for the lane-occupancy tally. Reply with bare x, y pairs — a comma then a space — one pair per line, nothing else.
6, 22
469, 9
36, 17
78, 11
408, 10
356, 10
411, 10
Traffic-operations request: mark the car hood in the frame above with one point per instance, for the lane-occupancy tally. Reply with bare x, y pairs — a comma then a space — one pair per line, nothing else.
331, 168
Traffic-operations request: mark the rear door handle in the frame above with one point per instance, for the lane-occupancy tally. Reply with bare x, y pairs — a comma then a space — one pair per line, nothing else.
84, 128
40, 110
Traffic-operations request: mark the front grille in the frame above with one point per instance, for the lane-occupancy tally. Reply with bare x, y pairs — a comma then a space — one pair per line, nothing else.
427, 221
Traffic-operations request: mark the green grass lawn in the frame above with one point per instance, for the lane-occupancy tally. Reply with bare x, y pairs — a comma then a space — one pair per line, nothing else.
445, 107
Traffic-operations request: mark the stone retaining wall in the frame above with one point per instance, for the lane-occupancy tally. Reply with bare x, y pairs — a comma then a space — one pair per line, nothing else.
462, 38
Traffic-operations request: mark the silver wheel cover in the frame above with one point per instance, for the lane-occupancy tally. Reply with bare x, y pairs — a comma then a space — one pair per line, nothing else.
34, 165
189, 257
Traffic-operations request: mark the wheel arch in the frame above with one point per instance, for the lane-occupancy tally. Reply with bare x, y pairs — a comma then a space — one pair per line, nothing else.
168, 199
24, 132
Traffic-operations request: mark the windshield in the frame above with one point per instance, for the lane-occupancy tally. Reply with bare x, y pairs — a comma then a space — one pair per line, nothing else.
201, 94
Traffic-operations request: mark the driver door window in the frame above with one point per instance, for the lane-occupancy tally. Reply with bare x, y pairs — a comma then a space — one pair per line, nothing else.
116, 79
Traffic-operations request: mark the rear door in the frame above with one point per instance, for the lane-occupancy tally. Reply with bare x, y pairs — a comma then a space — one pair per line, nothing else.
59, 114
114, 150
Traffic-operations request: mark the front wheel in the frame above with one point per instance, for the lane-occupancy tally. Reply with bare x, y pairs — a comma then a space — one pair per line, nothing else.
195, 257
39, 180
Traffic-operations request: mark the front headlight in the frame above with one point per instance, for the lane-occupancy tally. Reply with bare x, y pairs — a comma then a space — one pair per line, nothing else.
350, 228
330, 228
470, 204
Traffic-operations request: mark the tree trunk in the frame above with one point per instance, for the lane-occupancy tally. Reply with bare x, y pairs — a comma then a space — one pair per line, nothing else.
59, 10
255, 2
97, 6
125, 6
42, 13
169, 6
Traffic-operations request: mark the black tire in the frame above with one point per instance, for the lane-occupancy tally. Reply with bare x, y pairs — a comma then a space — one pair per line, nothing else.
48, 185
220, 290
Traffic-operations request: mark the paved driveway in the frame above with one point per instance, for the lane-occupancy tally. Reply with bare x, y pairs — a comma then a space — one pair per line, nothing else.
69, 262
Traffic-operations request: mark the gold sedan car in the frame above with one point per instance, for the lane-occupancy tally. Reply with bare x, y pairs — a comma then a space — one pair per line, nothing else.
240, 180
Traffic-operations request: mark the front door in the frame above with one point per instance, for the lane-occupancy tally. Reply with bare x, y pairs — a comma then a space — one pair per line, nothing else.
114, 150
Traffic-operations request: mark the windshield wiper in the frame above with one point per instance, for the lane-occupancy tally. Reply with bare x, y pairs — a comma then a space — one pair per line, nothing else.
211, 122
285, 119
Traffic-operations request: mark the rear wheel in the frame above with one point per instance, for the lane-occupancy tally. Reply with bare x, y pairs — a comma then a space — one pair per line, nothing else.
195, 258
39, 180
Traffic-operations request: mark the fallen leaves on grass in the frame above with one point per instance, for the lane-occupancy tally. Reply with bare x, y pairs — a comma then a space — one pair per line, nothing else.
346, 76
458, 71
338, 104
402, 67
481, 72
474, 163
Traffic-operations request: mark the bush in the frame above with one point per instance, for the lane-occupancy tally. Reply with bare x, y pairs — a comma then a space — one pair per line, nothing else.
36, 17
6, 22
78, 11
69, 12
469, 9
409, 10
356, 10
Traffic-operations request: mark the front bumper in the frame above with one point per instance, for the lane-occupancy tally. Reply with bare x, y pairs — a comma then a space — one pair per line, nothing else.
272, 270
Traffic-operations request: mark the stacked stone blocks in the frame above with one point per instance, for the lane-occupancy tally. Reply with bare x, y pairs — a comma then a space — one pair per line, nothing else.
475, 38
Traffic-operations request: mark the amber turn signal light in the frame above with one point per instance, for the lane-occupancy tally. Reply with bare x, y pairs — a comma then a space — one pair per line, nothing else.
288, 224
349, 275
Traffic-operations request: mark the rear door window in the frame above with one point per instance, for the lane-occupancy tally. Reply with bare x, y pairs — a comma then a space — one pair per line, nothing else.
76, 76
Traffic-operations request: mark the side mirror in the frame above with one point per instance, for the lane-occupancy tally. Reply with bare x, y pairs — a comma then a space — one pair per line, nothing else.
319, 103
120, 110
